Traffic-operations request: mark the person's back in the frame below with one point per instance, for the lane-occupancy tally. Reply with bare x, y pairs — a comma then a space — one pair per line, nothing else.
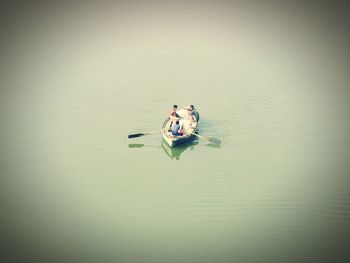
176, 129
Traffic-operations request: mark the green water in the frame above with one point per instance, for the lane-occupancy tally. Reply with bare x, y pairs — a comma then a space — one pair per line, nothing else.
76, 189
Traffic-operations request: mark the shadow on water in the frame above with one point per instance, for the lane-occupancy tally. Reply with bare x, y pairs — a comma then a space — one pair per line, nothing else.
136, 145
140, 145
175, 153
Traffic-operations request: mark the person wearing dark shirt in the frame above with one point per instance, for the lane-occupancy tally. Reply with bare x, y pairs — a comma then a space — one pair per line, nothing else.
176, 130
193, 114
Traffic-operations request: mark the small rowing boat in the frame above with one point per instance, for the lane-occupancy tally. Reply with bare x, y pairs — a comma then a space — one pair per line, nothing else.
186, 124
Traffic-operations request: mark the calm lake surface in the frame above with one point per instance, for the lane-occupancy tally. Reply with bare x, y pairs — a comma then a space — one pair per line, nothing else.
276, 189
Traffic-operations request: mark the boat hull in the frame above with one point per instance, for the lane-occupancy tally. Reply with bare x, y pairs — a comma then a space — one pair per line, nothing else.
176, 142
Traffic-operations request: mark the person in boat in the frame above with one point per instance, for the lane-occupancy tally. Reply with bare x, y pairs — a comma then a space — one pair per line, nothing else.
194, 115
173, 112
176, 130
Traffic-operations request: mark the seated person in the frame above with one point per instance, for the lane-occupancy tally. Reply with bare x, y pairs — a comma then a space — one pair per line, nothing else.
173, 112
176, 130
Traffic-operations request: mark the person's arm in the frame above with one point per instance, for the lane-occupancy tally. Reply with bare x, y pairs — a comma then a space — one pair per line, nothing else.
173, 116
193, 118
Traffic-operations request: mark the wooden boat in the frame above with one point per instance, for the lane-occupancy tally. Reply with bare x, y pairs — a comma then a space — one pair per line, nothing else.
187, 125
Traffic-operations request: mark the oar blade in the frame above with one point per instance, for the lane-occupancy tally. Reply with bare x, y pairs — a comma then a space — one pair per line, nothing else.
215, 141
135, 135
210, 139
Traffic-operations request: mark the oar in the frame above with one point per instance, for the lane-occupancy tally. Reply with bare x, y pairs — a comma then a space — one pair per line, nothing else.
135, 135
213, 140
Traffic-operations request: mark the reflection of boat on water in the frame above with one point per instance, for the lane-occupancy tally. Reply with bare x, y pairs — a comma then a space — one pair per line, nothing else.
175, 152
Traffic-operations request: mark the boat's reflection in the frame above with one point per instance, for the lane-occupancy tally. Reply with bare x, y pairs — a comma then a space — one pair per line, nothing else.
176, 152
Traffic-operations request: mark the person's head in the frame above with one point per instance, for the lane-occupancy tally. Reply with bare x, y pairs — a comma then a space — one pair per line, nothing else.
175, 107
192, 107
177, 122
